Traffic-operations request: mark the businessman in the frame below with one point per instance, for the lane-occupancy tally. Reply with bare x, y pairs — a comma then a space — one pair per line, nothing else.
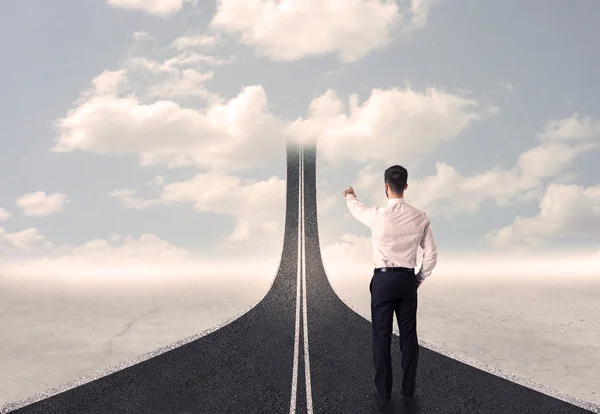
397, 230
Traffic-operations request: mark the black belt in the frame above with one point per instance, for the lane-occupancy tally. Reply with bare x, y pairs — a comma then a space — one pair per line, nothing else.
394, 269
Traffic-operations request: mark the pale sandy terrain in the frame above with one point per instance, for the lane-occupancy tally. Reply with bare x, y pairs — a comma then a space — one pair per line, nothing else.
52, 332
543, 329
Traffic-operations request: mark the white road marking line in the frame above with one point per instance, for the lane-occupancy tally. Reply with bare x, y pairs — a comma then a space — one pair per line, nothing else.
301, 294
309, 406
298, 293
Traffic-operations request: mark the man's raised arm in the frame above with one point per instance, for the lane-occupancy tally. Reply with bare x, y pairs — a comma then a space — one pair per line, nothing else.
358, 210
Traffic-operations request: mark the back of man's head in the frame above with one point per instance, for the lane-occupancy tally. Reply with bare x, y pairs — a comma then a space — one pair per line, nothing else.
396, 178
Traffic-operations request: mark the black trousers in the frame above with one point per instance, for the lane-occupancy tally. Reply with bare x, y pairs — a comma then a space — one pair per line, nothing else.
394, 292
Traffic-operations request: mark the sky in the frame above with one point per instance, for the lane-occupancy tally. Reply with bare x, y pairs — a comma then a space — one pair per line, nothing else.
151, 133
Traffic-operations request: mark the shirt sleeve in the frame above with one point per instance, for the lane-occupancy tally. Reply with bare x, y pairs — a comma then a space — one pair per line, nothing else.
429, 253
359, 211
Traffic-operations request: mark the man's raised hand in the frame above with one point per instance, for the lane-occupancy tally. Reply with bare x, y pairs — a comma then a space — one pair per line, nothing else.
349, 190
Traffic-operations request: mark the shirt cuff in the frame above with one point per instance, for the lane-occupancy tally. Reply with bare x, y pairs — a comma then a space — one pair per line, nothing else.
350, 197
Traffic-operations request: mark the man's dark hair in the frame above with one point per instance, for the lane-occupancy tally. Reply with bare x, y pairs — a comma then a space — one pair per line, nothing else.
396, 177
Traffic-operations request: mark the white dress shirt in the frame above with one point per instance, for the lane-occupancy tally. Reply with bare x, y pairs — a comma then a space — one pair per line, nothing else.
397, 231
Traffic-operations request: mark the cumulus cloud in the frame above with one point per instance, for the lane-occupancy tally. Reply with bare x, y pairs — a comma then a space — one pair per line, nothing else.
172, 78
40, 204
142, 36
241, 133
351, 253
325, 201
4, 214
131, 200
572, 128
448, 192
21, 240
185, 73
234, 136
390, 122
192, 50
188, 82
258, 206
565, 211
163, 8
203, 41
156, 181
350, 28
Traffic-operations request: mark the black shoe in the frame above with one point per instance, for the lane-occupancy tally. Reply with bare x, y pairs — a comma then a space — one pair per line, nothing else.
408, 400
383, 406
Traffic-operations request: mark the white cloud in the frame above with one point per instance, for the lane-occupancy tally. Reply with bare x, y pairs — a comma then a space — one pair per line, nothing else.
349, 28
351, 254
194, 58
234, 136
258, 206
416, 18
161, 8
171, 78
192, 54
4, 214
325, 201
156, 181
448, 192
40, 204
183, 75
240, 133
175, 65
142, 36
189, 82
388, 123
203, 41
570, 129
108, 83
22, 240
565, 211
551, 158
369, 182
131, 200
114, 238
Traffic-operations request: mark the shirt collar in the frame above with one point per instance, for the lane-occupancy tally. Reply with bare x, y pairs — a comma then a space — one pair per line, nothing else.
392, 201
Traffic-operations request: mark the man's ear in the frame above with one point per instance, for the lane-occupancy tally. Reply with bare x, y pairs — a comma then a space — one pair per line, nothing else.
406, 186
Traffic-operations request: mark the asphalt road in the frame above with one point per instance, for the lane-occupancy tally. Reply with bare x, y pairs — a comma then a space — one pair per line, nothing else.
271, 361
